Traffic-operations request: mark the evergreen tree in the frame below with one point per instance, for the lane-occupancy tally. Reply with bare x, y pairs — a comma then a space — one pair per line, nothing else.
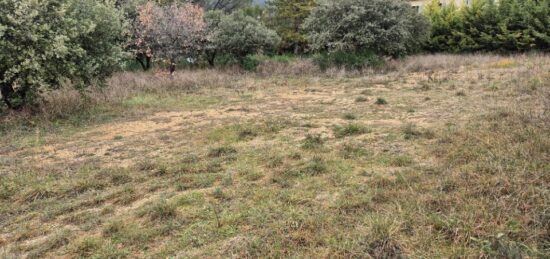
286, 17
446, 24
384, 27
45, 43
515, 30
479, 24
489, 25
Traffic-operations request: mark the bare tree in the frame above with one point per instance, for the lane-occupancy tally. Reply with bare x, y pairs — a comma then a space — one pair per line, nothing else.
169, 33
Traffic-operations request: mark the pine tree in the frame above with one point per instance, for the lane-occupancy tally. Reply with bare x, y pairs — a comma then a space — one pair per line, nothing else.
286, 17
489, 25
446, 25
541, 23
515, 26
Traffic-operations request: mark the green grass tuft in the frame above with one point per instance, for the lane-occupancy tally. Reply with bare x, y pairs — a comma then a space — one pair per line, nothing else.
350, 130
381, 101
312, 142
349, 116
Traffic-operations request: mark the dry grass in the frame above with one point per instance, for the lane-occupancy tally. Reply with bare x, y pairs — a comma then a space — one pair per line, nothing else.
299, 67
451, 62
126, 85
227, 164
66, 101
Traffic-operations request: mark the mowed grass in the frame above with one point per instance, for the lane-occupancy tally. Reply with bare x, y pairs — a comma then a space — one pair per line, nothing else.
295, 166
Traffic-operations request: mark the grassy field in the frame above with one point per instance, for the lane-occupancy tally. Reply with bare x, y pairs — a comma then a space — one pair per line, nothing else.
433, 156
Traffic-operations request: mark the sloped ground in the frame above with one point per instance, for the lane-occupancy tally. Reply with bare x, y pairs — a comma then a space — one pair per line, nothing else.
437, 162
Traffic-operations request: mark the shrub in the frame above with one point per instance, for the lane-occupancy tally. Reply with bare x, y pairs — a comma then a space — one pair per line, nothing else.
46, 43
249, 63
237, 35
385, 27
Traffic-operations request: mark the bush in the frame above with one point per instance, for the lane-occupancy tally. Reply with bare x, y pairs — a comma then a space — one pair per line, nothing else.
238, 36
249, 63
351, 60
46, 43
385, 27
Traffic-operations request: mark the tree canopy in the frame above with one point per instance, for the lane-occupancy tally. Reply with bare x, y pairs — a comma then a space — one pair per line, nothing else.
238, 35
44, 43
169, 33
386, 27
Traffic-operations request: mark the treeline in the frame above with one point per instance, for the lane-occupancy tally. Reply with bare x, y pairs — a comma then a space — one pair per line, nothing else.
347, 32
47, 43
174, 32
490, 25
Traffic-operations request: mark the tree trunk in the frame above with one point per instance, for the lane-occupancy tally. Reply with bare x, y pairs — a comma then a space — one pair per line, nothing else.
144, 61
211, 58
143, 65
7, 94
148, 62
172, 68
211, 61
